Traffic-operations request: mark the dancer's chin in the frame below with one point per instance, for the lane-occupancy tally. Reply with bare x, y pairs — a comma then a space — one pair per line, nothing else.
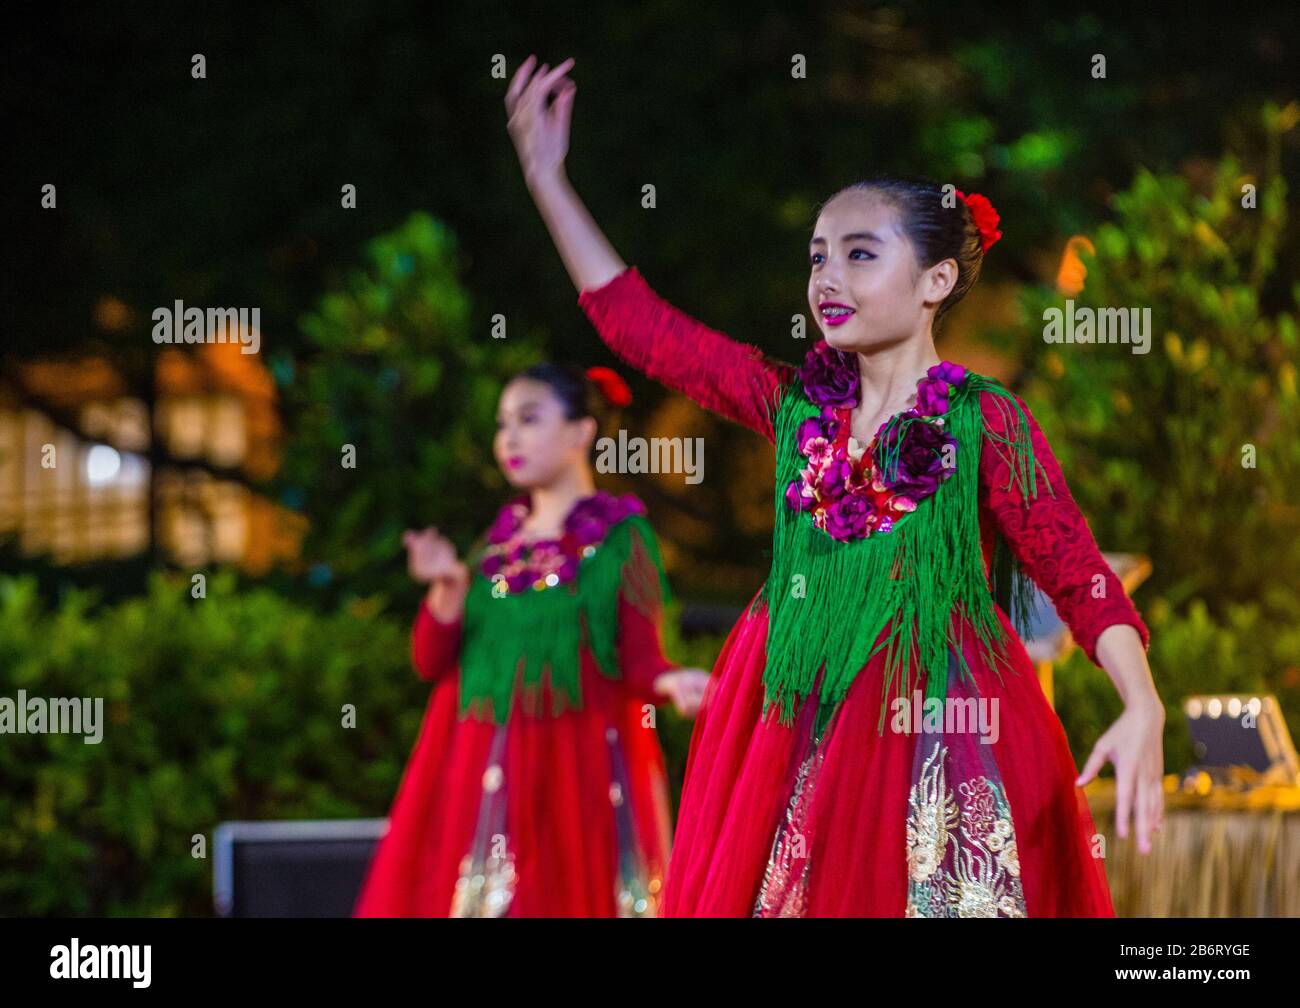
840, 340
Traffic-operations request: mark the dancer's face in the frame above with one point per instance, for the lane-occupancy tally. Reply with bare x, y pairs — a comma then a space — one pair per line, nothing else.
535, 445
860, 258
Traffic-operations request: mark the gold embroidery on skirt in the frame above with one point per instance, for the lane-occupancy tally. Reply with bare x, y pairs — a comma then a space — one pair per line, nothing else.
784, 890
487, 873
962, 859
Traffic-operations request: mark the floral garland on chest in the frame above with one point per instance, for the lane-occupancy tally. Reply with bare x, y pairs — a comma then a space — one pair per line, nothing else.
881, 535
533, 604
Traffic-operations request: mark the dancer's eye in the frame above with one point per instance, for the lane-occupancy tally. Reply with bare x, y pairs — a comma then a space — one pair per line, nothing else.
817, 257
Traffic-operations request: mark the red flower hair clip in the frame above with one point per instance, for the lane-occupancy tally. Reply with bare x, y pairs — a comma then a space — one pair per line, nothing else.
986, 218
611, 385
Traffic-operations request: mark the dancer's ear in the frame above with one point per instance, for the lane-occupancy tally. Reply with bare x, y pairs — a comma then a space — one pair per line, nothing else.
588, 428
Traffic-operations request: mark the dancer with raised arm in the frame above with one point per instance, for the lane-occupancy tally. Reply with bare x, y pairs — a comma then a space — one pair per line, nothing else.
536, 786
875, 741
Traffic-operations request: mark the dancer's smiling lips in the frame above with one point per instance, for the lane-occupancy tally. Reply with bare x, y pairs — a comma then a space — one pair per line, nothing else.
838, 318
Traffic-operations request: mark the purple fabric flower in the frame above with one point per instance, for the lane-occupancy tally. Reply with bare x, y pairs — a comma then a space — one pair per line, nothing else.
831, 484
586, 524
829, 376
953, 374
931, 397
809, 429
932, 391
591, 516
920, 454
508, 519
849, 517
796, 499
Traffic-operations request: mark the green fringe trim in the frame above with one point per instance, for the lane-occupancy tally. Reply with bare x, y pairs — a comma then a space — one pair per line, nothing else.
828, 601
513, 643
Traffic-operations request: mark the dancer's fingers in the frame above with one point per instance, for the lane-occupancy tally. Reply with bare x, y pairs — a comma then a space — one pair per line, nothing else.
518, 82
553, 82
564, 106
1096, 760
1123, 799
1142, 816
541, 84
526, 107
550, 78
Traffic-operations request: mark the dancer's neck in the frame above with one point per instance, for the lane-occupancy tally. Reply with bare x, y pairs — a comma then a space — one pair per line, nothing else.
891, 372
552, 503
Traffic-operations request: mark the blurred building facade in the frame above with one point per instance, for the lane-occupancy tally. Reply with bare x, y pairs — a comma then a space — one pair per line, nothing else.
92, 469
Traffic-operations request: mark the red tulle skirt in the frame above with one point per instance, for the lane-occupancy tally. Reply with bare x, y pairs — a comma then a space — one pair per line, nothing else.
562, 815
900, 823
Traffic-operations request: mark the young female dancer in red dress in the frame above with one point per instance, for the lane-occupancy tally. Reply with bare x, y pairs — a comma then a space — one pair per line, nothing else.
875, 741
536, 787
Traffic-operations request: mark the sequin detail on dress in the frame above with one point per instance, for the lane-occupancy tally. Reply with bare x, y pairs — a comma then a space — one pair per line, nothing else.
636, 891
486, 885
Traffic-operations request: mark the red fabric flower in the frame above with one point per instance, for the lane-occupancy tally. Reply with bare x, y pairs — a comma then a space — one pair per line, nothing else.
986, 218
611, 385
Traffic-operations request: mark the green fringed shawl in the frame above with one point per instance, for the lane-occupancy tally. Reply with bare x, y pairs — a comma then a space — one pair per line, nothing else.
828, 600
512, 642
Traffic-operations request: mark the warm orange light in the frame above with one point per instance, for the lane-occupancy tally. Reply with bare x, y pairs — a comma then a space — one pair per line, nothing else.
1072, 272
112, 313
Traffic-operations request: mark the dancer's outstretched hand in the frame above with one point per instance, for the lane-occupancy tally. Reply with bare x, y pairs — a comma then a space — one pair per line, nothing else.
684, 687
1133, 745
539, 129
431, 559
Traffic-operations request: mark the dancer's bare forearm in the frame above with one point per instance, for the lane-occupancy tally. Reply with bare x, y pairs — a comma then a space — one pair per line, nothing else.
539, 104
587, 254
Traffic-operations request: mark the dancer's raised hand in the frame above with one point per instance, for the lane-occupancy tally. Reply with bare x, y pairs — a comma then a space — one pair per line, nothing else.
431, 559
539, 127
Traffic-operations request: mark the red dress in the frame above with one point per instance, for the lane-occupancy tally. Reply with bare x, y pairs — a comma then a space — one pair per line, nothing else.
774, 823
577, 801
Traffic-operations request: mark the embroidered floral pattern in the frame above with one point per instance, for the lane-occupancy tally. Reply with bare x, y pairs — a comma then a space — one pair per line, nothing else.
962, 859
521, 565
850, 490
784, 892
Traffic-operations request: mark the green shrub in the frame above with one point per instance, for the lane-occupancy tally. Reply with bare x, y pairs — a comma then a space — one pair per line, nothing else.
223, 707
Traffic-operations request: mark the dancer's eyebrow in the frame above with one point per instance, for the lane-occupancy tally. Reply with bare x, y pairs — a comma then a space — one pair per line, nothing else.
868, 236
527, 405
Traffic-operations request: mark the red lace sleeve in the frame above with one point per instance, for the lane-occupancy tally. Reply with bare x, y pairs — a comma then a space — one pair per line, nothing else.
435, 646
640, 653
734, 379
1050, 536
640, 610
